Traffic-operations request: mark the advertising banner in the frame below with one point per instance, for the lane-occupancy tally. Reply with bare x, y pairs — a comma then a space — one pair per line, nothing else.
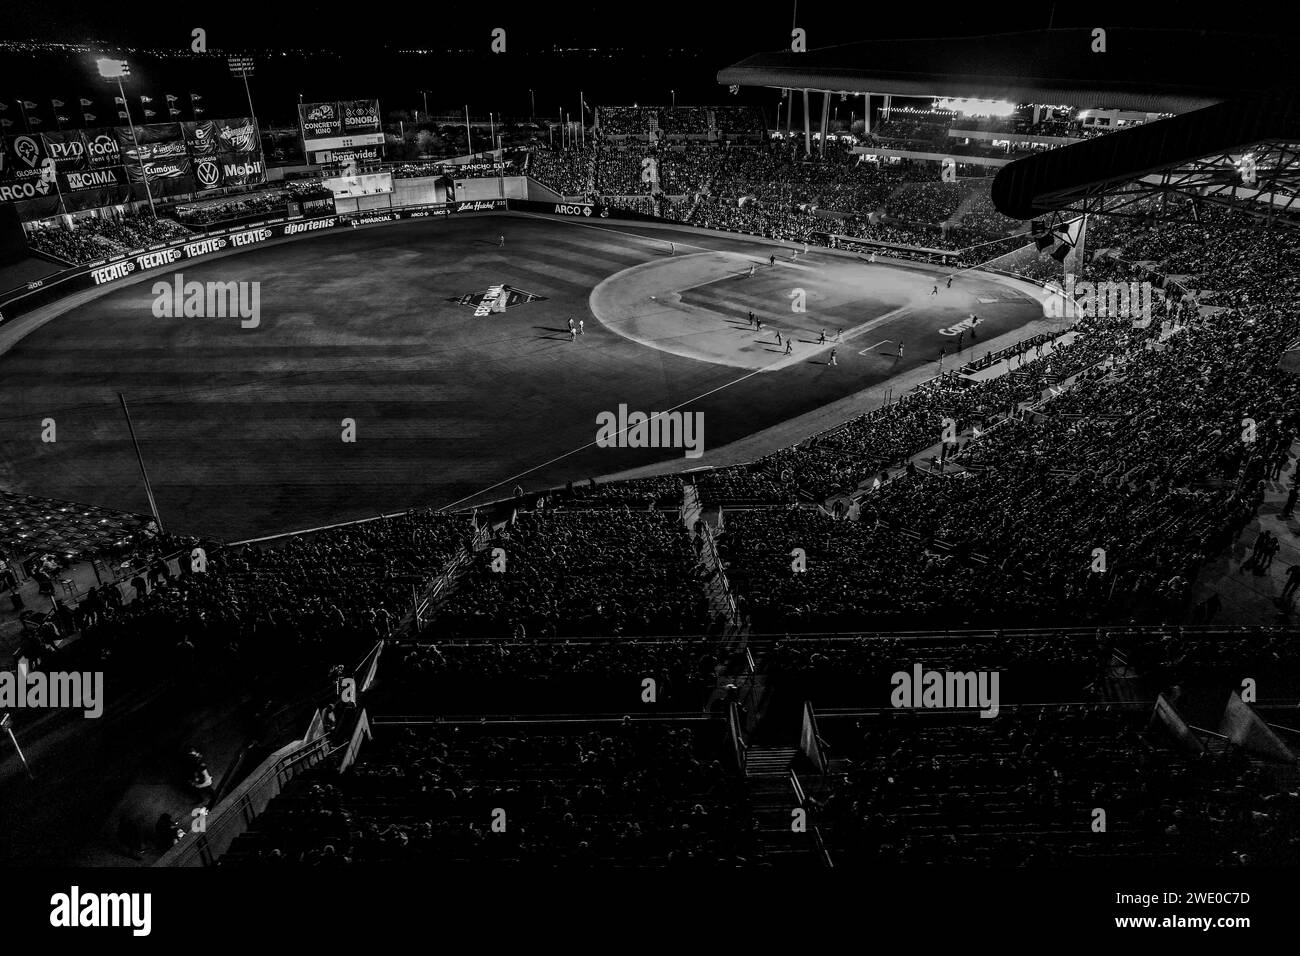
355, 154
104, 272
26, 172
207, 172
241, 169
360, 116
181, 156
580, 210
102, 147
478, 205
320, 120
156, 133
22, 158
109, 177
200, 138
157, 141
237, 136
171, 167
68, 150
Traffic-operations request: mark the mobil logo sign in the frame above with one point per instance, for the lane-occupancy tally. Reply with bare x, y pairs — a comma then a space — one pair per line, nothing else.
241, 169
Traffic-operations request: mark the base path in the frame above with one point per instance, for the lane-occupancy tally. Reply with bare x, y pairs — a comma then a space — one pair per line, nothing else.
697, 306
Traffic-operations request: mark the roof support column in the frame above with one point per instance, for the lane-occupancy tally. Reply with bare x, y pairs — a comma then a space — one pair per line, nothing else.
807, 127
826, 117
866, 112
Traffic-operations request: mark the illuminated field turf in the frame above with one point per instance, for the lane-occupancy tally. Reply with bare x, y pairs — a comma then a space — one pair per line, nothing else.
241, 428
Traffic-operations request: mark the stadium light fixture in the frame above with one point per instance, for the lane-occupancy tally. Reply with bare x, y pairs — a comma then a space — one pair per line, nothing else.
112, 69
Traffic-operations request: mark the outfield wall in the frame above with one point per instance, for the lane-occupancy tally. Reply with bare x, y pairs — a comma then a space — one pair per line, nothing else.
370, 209
485, 196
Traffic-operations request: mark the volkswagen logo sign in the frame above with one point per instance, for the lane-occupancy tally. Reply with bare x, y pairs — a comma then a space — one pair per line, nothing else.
208, 174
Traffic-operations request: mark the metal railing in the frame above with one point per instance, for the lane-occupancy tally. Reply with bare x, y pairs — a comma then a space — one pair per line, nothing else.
233, 815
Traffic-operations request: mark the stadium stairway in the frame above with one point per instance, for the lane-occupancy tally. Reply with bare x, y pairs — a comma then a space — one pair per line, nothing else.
769, 762
772, 798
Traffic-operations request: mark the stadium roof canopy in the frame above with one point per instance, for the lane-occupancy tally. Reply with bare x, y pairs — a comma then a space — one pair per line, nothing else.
1200, 154
1156, 71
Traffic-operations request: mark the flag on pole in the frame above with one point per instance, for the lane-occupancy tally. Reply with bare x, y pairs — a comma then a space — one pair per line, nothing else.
172, 111
35, 119
196, 96
3, 106
5, 122
150, 113
56, 103
63, 119
123, 114
85, 102
145, 99
88, 117
28, 104
170, 98
119, 101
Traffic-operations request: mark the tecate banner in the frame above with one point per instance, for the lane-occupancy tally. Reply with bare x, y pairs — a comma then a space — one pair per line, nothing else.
104, 272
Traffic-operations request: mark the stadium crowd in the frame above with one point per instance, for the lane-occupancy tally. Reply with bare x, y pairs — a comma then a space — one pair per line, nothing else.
1021, 790
578, 573
96, 237
323, 598
643, 793
1146, 462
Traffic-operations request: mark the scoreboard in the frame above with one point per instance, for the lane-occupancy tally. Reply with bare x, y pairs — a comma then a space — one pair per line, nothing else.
366, 184
344, 130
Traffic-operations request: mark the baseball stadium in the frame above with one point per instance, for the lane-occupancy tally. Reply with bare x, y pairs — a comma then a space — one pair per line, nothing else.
879, 445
